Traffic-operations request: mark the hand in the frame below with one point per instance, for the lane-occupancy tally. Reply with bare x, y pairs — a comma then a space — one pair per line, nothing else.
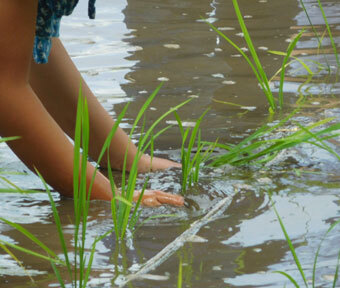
154, 198
146, 165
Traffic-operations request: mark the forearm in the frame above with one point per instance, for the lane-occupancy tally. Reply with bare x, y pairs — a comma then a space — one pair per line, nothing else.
43, 145
57, 85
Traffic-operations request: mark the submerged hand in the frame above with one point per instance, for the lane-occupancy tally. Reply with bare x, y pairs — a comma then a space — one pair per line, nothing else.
154, 198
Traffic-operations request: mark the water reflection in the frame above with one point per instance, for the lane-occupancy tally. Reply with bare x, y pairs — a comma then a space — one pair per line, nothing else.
203, 64
124, 56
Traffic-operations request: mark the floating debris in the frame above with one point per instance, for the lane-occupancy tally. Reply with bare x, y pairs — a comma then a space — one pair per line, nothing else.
226, 28
217, 268
163, 79
265, 180
328, 277
154, 277
249, 108
229, 82
172, 46
217, 75
264, 48
184, 123
196, 239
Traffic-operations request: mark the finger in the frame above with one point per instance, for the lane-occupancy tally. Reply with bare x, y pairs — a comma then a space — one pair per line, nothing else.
167, 198
151, 202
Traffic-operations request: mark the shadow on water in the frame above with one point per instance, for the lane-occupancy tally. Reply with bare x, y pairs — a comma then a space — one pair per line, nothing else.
124, 55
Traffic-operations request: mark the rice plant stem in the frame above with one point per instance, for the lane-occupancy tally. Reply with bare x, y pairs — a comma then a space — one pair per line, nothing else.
283, 67
254, 55
329, 33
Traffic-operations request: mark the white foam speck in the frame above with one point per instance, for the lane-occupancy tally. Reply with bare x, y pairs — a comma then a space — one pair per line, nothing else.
172, 46
163, 79
229, 82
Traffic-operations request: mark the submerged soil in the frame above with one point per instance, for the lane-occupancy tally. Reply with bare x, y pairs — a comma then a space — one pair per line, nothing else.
123, 55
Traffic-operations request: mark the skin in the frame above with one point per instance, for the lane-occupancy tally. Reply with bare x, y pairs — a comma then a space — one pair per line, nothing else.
38, 103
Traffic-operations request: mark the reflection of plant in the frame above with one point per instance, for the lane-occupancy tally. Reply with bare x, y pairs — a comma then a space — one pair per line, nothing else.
297, 261
191, 166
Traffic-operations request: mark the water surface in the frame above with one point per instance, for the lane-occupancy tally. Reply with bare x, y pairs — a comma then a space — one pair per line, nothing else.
123, 55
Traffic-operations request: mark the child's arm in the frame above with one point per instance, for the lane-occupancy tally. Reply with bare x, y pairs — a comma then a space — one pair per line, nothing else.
43, 144
57, 84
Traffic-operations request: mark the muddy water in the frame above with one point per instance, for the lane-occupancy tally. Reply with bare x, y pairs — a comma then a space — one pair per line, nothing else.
124, 55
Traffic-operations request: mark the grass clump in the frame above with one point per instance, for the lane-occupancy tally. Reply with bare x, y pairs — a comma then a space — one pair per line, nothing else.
254, 149
122, 210
255, 63
191, 165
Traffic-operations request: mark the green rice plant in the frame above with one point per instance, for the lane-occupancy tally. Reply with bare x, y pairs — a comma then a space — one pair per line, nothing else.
253, 148
329, 33
283, 67
191, 165
121, 211
296, 258
180, 274
79, 270
328, 30
255, 63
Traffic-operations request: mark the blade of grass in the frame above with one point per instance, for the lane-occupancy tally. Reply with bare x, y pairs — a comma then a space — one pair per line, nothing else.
57, 273
32, 253
329, 33
291, 247
318, 250
180, 274
254, 55
256, 73
30, 236
58, 225
314, 31
18, 261
291, 279
283, 69
336, 271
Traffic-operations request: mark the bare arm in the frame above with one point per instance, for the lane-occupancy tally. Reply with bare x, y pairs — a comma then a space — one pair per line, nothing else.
43, 144
57, 85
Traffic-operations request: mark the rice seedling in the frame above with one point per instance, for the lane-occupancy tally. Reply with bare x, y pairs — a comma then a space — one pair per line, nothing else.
255, 63
191, 165
180, 274
296, 258
253, 148
317, 35
121, 211
329, 33
79, 270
